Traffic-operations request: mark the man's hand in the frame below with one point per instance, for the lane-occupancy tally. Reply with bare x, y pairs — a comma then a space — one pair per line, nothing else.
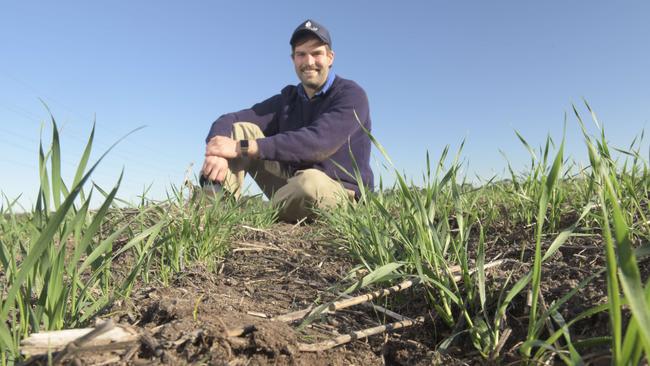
221, 146
215, 168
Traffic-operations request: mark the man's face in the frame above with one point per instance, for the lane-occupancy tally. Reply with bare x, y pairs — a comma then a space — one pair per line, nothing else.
312, 61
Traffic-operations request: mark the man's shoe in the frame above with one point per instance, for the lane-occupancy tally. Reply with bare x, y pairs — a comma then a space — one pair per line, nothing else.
209, 187
213, 190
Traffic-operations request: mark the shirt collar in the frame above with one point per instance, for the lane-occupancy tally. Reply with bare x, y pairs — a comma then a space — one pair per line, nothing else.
328, 83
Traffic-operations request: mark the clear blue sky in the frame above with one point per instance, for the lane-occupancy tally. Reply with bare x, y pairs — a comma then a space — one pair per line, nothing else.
436, 72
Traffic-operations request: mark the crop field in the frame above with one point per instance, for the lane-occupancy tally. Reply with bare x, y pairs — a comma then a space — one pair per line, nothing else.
548, 266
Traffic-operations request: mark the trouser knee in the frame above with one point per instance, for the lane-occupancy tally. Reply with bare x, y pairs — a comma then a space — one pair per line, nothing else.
307, 185
246, 131
307, 190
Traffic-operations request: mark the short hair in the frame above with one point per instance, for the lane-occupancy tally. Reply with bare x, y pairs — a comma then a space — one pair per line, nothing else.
305, 38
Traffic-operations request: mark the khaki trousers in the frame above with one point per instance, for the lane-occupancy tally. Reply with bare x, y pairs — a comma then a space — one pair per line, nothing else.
295, 195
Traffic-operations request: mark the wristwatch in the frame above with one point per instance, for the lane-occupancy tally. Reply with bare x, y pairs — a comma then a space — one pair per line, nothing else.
243, 147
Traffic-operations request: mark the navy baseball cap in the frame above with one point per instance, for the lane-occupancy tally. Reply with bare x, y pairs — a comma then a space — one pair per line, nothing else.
311, 27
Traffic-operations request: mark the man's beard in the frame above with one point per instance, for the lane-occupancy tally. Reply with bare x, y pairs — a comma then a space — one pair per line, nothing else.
315, 82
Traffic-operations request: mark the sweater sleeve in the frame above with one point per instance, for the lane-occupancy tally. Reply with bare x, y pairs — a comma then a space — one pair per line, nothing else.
325, 135
263, 114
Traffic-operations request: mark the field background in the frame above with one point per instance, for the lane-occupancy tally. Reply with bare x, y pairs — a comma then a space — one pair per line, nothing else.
546, 266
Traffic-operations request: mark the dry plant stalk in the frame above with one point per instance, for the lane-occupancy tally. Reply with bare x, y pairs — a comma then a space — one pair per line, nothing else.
105, 336
360, 334
286, 318
381, 309
296, 315
342, 304
397, 288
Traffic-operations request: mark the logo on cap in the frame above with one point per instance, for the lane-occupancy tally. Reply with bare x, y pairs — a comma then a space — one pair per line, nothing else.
309, 26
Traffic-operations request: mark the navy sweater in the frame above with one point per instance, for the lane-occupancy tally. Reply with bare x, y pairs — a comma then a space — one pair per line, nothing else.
312, 134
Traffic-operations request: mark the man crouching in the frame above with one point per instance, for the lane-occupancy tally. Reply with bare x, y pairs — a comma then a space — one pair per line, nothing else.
293, 143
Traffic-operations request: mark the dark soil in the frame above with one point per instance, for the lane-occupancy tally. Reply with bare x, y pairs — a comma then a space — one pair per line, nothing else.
284, 269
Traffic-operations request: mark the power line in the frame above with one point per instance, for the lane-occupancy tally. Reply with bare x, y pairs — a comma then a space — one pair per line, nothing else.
18, 163
135, 189
126, 154
143, 170
73, 112
66, 162
148, 166
11, 143
20, 136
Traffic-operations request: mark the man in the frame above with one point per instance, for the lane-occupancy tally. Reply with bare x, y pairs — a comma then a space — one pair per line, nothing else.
295, 143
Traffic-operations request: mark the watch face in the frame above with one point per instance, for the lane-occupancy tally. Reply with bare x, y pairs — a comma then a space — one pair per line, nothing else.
243, 145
